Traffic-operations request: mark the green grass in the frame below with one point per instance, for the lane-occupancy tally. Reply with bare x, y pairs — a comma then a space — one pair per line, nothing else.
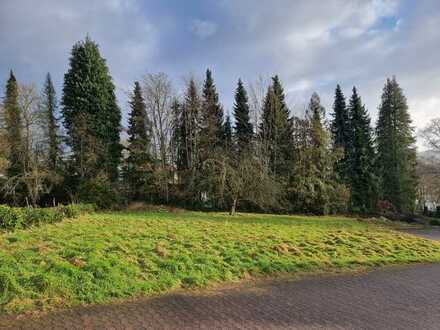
105, 256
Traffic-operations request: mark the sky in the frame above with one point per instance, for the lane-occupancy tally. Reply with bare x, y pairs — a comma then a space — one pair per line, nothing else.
311, 44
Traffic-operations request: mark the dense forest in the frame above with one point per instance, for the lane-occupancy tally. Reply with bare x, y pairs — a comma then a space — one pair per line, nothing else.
183, 150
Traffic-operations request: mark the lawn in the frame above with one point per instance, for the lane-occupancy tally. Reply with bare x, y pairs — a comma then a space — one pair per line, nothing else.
106, 256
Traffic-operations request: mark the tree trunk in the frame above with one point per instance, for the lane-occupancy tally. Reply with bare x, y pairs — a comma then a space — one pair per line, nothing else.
233, 207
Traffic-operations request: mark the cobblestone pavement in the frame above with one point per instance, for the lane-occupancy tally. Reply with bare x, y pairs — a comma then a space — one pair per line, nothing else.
391, 298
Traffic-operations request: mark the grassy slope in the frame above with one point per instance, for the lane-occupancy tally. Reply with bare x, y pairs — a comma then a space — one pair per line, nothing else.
112, 255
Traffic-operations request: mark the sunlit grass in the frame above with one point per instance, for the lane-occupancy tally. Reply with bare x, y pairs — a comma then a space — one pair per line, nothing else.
106, 256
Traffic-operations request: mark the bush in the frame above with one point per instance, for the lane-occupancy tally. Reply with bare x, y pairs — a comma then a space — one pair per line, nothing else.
37, 216
14, 218
338, 199
100, 192
435, 222
75, 210
10, 218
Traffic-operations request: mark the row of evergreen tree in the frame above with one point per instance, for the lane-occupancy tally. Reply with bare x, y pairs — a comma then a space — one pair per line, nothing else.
283, 163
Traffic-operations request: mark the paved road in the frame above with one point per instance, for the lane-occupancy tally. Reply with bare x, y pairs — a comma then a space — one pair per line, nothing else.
391, 298
433, 233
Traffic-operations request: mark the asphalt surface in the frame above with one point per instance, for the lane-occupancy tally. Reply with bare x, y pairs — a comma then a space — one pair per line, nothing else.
390, 298
433, 233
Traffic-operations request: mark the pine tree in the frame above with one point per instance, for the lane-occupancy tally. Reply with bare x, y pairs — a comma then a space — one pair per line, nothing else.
49, 107
396, 152
91, 114
276, 130
212, 133
187, 149
243, 129
139, 168
188, 129
340, 125
13, 128
340, 128
212, 147
360, 155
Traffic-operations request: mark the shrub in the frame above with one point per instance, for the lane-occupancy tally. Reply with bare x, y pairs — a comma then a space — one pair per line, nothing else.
10, 218
339, 198
100, 192
75, 210
14, 218
435, 222
37, 216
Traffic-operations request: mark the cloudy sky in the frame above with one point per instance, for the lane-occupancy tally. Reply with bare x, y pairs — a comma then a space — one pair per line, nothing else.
311, 44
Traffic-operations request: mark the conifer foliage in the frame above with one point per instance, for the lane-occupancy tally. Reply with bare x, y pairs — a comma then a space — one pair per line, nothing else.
212, 134
182, 149
396, 153
139, 163
360, 154
91, 115
313, 185
340, 129
13, 128
49, 107
243, 128
276, 130
228, 133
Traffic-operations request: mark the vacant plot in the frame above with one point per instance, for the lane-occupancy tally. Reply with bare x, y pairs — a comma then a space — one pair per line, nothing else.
106, 256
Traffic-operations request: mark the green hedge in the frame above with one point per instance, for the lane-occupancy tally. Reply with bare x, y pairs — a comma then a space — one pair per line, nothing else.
435, 222
23, 217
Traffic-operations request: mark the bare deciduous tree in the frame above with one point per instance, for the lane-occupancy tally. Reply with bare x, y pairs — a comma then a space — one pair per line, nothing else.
431, 135
35, 177
29, 100
429, 167
429, 183
257, 92
246, 179
3, 145
158, 95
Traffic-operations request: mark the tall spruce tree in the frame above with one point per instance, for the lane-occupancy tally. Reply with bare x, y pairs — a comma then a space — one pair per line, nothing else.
13, 129
140, 166
340, 128
243, 129
212, 146
360, 155
49, 107
187, 137
91, 114
188, 129
396, 152
212, 134
276, 130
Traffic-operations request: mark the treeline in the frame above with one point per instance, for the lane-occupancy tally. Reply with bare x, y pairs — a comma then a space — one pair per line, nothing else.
183, 150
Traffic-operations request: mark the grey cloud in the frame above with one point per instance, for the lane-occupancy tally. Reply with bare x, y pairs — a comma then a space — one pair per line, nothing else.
203, 29
39, 35
312, 44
